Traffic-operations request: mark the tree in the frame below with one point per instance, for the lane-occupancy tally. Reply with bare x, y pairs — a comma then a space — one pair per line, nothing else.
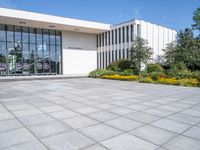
196, 18
185, 51
170, 53
140, 52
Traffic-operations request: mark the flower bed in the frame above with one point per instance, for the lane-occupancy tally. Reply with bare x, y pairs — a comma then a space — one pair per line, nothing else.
118, 77
192, 82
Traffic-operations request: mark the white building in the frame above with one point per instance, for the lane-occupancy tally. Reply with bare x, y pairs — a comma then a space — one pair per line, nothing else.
33, 43
116, 43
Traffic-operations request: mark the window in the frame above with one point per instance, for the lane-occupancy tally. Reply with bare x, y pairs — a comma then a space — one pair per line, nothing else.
25, 50
132, 33
138, 30
127, 33
100, 59
103, 60
106, 38
97, 40
103, 39
108, 57
127, 51
109, 38
10, 34
116, 55
119, 35
100, 40
97, 60
3, 58
58, 38
115, 36
32, 35
112, 37
25, 38
52, 37
119, 53
2, 33
112, 55
123, 32
18, 34
46, 36
124, 54
39, 36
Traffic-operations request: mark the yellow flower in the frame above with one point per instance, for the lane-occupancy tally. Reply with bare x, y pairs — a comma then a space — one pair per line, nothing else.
119, 77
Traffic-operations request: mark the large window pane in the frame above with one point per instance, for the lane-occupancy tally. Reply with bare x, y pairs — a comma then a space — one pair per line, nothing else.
53, 58
52, 37
58, 59
10, 34
3, 58
39, 36
18, 34
2, 33
18, 58
25, 38
46, 36
25, 50
11, 58
33, 59
46, 65
32, 35
58, 37
26, 58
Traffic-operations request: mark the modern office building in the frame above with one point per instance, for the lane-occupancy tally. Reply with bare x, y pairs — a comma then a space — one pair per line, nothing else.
39, 44
116, 43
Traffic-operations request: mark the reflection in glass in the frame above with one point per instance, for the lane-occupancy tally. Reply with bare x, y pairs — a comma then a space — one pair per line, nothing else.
3, 58
25, 37
32, 35
10, 34
2, 33
25, 51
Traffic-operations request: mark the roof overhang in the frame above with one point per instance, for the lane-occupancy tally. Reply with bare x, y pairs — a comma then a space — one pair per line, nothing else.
30, 19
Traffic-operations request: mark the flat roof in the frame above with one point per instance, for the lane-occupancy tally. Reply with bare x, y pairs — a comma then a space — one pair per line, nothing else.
30, 19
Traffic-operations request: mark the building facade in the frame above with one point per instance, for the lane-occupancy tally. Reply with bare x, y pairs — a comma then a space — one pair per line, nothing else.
115, 44
39, 44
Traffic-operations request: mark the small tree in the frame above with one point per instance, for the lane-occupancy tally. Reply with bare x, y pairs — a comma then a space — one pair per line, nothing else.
196, 18
185, 51
140, 52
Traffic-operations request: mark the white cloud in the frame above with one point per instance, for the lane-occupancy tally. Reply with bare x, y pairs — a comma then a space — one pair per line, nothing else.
7, 4
136, 11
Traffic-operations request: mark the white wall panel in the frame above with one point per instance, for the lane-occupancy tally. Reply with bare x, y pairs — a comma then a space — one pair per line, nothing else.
79, 53
79, 61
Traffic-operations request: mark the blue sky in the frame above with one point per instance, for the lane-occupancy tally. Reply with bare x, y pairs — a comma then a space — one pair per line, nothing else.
176, 14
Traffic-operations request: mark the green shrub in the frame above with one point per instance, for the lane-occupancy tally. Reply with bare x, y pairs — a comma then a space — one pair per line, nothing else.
127, 72
146, 80
144, 73
120, 65
175, 68
154, 68
99, 73
156, 75
183, 74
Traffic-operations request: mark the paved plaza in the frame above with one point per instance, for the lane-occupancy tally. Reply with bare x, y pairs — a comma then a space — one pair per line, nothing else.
95, 114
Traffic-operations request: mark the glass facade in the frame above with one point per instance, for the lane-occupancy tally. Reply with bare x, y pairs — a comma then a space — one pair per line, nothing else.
29, 51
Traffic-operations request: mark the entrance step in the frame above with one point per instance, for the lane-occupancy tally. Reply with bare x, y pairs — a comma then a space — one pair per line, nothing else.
44, 77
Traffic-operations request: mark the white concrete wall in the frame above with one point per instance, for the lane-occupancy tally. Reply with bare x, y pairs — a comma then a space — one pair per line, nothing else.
157, 36
79, 53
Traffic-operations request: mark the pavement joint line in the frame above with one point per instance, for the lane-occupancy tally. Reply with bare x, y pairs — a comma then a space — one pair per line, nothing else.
27, 129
